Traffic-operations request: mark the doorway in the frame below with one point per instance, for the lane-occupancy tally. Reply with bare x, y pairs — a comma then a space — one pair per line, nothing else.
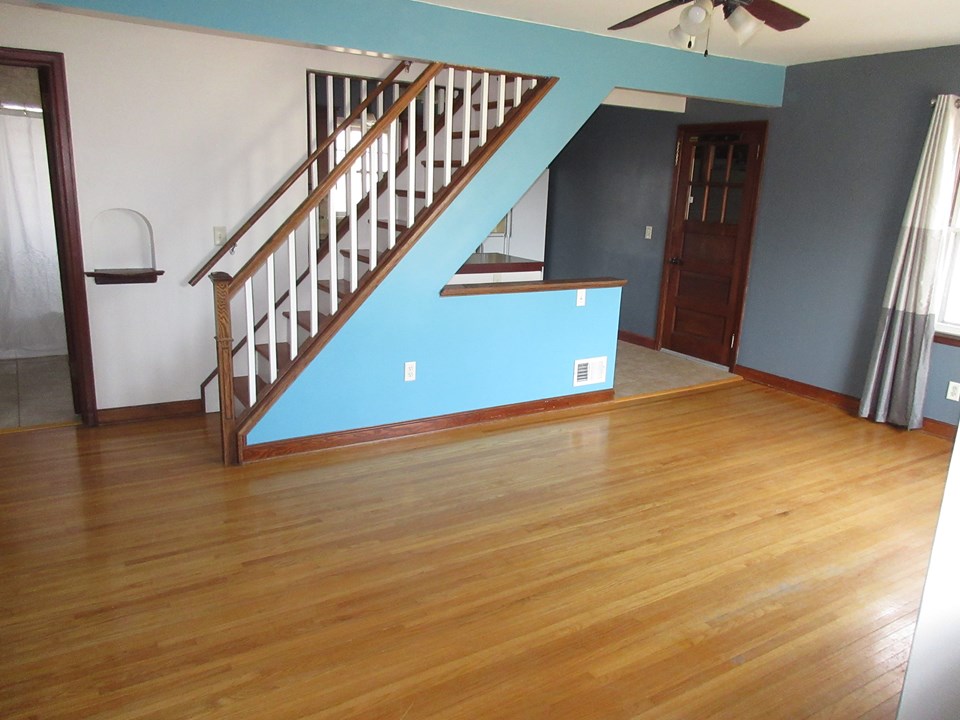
52, 132
707, 252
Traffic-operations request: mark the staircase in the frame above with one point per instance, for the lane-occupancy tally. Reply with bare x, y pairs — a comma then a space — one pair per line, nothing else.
380, 172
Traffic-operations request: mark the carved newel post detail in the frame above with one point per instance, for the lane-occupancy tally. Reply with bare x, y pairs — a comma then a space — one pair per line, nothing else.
221, 304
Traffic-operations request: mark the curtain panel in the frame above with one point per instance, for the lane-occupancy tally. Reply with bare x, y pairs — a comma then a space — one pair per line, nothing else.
897, 376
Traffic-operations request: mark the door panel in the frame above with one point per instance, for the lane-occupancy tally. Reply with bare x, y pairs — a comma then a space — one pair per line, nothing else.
708, 245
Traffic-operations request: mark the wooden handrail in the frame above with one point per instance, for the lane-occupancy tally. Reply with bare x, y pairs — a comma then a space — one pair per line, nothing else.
331, 179
322, 147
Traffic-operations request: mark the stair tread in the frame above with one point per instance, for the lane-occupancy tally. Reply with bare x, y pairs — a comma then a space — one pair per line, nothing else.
283, 353
493, 104
343, 286
384, 224
440, 163
241, 388
458, 134
417, 194
303, 320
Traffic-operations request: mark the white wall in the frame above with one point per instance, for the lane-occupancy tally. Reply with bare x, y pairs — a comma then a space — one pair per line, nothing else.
528, 224
931, 688
191, 130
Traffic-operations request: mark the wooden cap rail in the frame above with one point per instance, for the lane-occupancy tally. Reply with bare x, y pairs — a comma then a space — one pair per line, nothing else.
530, 286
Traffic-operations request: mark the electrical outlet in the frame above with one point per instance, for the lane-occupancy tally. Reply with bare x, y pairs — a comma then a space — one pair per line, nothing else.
581, 297
648, 233
219, 235
953, 391
410, 371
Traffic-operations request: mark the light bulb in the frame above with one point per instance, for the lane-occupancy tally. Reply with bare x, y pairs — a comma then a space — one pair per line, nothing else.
695, 19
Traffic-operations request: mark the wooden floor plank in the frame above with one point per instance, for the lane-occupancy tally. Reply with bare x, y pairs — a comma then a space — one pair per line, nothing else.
737, 553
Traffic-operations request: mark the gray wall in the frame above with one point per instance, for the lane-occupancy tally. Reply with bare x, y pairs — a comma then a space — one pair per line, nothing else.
841, 156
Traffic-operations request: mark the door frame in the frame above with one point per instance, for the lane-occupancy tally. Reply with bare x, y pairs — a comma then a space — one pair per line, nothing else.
759, 126
51, 70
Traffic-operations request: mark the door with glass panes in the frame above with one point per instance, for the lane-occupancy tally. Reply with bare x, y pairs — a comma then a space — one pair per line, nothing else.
707, 252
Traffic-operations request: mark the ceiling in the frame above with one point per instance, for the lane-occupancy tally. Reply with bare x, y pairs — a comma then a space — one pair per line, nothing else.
837, 28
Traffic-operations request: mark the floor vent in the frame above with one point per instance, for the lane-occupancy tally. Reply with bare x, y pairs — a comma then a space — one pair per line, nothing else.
590, 371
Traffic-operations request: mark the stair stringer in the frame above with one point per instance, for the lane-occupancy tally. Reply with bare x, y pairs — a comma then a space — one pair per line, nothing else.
388, 261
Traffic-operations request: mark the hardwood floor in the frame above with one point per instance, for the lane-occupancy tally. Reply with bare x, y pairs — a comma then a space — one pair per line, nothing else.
738, 553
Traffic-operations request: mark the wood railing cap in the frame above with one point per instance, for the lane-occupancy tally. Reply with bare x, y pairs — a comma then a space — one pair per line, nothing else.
455, 290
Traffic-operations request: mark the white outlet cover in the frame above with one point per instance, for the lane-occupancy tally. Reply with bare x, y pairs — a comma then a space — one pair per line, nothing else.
581, 297
953, 391
410, 371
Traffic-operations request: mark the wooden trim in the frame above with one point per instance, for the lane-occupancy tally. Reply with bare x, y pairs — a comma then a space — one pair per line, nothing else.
530, 286
262, 451
498, 263
944, 339
637, 339
52, 73
391, 258
940, 429
157, 411
847, 403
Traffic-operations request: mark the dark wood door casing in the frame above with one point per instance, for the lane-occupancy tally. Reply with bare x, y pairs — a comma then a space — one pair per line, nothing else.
707, 254
56, 119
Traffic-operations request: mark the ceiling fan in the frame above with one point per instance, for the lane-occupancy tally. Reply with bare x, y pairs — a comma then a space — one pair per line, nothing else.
744, 16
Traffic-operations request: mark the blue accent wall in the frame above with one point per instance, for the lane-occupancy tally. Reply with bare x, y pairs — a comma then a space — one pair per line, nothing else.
841, 156
479, 351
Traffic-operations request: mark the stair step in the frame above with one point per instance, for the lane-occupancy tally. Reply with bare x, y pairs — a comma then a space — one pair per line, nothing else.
343, 287
440, 163
283, 352
362, 255
241, 388
493, 104
458, 134
386, 226
420, 194
303, 320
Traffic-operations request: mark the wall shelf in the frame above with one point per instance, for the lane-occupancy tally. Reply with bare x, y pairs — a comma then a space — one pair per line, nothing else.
124, 276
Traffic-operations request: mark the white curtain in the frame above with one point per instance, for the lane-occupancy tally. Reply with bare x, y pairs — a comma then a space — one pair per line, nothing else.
31, 305
897, 377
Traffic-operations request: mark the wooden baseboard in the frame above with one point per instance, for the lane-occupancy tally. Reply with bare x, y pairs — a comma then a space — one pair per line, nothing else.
262, 451
844, 402
157, 411
940, 429
636, 339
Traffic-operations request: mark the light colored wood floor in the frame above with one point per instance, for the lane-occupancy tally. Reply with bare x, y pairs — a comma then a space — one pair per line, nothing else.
641, 371
738, 553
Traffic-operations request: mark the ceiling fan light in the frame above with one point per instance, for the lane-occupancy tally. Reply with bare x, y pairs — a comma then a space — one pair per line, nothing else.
695, 19
678, 38
744, 25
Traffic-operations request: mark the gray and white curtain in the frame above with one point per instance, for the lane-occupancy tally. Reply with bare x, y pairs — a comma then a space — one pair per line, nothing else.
897, 377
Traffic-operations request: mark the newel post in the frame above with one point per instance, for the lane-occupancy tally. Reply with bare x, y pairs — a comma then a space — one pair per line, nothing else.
221, 305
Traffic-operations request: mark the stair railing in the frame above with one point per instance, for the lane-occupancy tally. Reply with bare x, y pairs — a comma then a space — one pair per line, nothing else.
324, 146
383, 193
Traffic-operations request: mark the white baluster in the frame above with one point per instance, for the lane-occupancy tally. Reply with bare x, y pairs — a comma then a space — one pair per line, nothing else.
352, 214
332, 251
501, 98
332, 150
373, 209
484, 99
448, 130
271, 319
251, 343
411, 161
313, 128
364, 184
292, 285
392, 185
467, 114
517, 90
430, 111
313, 249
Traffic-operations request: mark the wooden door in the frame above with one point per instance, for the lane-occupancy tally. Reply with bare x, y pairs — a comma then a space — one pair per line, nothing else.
707, 253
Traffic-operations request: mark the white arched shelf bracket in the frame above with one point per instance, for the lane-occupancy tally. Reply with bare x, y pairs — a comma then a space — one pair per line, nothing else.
124, 238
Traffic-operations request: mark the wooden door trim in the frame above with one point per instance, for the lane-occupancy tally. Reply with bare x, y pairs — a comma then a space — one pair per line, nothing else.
759, 127
66, 215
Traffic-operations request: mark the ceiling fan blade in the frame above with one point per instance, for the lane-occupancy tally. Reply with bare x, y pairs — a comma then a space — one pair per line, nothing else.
775, 15
647, 14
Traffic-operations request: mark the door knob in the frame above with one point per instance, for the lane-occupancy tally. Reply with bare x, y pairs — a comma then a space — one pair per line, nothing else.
675, 261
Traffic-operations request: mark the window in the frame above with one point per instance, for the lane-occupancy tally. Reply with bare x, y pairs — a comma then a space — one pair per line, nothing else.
948, 306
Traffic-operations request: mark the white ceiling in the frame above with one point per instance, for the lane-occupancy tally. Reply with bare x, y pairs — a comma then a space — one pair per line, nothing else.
837, 28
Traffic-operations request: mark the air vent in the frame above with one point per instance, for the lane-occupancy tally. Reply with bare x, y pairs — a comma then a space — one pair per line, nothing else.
590, 371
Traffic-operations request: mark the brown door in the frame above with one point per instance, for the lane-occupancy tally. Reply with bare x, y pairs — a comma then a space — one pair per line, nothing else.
708, 244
